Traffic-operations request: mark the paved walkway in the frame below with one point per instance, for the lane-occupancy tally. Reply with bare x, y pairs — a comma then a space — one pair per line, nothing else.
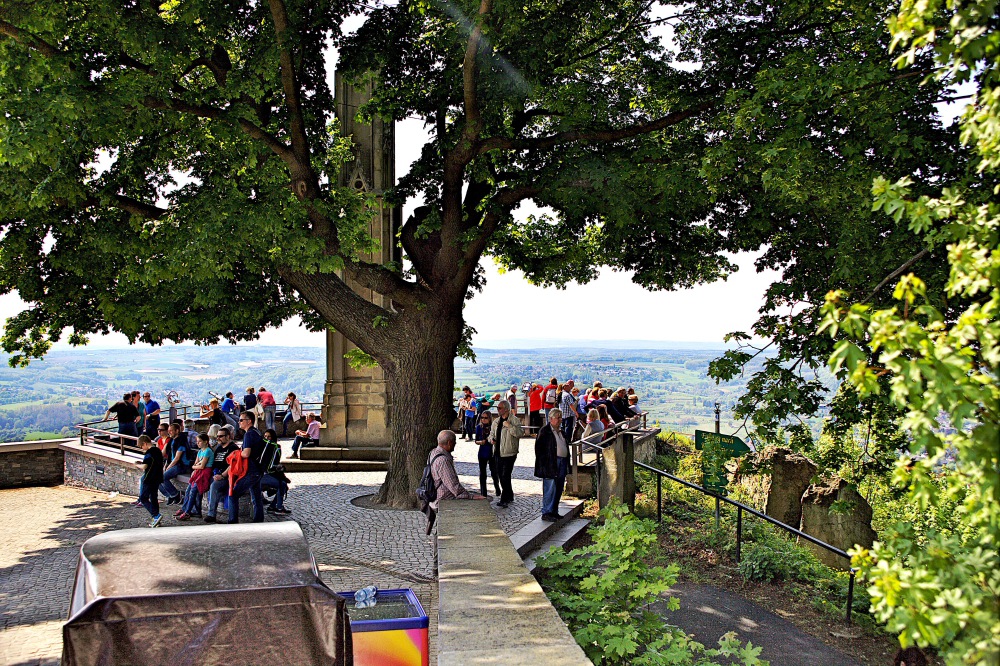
41, 530
708, 612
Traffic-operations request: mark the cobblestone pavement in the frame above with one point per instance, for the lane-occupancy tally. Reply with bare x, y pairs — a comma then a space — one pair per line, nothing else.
41, 530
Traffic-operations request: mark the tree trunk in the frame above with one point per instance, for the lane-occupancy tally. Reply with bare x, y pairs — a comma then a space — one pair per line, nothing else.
420, 385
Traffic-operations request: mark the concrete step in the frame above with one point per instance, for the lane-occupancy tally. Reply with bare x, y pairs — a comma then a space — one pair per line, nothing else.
334, 465
368, 453
561, 539
538, 531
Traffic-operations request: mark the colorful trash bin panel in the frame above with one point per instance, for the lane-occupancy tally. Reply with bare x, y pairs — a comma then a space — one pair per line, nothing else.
392, 632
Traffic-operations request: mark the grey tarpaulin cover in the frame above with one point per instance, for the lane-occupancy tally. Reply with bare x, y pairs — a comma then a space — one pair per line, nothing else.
220, 594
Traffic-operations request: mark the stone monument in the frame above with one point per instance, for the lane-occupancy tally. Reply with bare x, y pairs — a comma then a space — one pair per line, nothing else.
354, 400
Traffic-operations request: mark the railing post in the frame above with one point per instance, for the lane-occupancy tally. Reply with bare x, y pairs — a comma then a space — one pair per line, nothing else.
739, 533
659, 498
850, 596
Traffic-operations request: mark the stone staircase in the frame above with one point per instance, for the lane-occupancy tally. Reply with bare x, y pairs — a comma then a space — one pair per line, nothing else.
538, 536
338, 459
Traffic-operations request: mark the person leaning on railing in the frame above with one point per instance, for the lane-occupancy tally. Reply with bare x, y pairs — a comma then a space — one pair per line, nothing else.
127, 415
292, 414
594, 426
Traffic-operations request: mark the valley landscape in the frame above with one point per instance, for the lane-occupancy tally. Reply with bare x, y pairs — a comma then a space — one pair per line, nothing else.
45, 399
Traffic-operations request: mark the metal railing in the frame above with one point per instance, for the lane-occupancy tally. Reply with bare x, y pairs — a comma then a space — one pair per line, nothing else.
104, 435
740, 508
597, 442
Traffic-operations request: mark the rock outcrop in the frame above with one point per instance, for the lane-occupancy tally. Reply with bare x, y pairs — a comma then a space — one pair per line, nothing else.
781, 479
836, 513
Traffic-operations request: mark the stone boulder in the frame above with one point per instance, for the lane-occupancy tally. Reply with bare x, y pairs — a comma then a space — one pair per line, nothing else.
842, 526
781, 478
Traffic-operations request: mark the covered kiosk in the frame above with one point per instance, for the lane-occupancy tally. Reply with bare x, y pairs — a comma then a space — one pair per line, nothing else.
221, 594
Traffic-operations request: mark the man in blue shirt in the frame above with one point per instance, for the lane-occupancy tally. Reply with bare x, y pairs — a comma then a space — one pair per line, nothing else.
152, 415
253, 447
228, 405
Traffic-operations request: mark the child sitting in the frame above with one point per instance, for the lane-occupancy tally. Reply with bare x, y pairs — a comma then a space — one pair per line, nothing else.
201, 478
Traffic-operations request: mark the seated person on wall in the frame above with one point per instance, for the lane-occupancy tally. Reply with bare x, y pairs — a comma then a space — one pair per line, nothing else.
245, 472
179, 461
219, 487
293, 412
274, 473
307, 437
249, 400
620, 404
444, 475
201, 478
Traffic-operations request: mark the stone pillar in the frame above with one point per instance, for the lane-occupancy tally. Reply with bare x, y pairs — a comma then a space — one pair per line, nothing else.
618, 472
354, 401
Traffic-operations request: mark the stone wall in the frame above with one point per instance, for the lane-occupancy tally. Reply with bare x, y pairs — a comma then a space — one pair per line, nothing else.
99, 471
21, 466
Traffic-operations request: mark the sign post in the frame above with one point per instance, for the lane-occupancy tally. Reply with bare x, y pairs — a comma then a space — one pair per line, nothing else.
717, 449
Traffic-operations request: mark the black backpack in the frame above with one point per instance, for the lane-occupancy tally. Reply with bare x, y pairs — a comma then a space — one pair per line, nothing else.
427, 490
270, 456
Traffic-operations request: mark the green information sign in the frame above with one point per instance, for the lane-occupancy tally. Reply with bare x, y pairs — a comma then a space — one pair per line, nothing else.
716, 451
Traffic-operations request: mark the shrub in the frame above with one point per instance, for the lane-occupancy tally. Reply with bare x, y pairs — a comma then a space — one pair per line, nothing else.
604, 592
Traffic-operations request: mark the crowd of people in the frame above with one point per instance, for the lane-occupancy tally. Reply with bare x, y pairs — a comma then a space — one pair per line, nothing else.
558, 413
138, 413
217, 463
229, 461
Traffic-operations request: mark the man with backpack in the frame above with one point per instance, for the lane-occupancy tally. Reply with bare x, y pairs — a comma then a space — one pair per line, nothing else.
549, 397
440, 480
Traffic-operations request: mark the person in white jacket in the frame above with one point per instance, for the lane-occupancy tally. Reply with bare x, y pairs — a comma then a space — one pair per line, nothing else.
505, 436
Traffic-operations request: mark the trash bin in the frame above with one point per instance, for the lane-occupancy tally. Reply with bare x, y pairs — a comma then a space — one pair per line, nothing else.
393, 632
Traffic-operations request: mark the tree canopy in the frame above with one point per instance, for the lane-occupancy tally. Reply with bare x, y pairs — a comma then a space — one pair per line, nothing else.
656, 139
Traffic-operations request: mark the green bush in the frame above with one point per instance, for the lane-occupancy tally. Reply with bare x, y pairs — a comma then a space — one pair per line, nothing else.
604, 592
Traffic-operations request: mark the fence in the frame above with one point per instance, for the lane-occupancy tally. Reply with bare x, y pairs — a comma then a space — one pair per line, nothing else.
594, 444
104, 435
740, 508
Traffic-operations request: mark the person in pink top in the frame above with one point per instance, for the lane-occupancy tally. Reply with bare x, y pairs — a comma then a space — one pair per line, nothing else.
307, 437
266, 400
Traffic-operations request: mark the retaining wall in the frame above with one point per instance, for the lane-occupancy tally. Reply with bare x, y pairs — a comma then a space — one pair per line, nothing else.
31, 464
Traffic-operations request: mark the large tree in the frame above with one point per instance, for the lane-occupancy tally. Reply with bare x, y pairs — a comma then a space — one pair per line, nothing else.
219, 215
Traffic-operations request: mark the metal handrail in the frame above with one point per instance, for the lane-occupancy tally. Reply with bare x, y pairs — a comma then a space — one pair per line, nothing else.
576, 447
740, 508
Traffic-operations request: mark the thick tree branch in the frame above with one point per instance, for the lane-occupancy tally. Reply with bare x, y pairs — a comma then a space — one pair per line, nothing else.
289, 82
25, 38
470, 70
128, 204
420, 251
380, 279
500, 205
139, 208
337, 303
204, 111
592, 136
